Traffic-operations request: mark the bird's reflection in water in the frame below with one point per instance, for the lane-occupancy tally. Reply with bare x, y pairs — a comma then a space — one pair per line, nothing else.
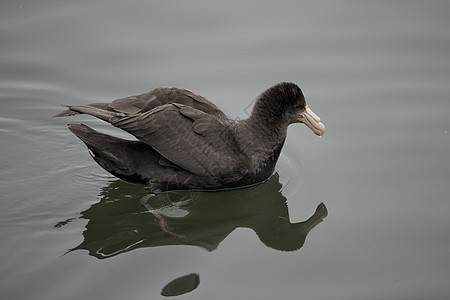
119, 223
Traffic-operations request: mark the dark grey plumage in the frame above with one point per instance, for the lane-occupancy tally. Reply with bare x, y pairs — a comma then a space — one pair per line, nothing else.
187, 142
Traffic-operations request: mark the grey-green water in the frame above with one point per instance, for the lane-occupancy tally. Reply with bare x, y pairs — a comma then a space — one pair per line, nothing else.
378, 74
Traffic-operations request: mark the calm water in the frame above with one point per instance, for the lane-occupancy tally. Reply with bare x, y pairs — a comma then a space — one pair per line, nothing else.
378, 74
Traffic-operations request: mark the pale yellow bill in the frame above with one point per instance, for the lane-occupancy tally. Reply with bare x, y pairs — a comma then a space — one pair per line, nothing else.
310, 119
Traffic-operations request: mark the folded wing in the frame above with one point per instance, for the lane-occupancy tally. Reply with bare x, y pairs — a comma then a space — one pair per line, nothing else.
187, 137
148, 101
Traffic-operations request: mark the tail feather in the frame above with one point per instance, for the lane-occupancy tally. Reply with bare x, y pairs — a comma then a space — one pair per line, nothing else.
122, 158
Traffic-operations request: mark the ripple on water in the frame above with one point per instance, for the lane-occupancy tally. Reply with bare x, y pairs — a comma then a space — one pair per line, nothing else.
292, 169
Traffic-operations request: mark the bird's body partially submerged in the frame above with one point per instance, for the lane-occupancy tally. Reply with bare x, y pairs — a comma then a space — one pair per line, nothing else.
187, 142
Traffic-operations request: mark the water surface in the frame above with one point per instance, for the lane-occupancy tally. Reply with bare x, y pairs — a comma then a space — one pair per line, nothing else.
376, 72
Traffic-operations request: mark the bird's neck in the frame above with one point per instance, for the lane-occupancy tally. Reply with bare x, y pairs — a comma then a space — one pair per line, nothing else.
271, 129
262, 142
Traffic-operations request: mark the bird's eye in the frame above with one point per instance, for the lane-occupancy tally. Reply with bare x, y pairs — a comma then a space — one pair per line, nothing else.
299, 106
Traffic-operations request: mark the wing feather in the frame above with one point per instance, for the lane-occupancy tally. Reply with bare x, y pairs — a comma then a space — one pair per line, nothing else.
187, 137
161, 96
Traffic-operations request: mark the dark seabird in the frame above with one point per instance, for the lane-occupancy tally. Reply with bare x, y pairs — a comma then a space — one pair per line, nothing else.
185, 142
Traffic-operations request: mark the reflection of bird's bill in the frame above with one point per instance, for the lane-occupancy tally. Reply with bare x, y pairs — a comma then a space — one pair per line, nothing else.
310, 119
318, 216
